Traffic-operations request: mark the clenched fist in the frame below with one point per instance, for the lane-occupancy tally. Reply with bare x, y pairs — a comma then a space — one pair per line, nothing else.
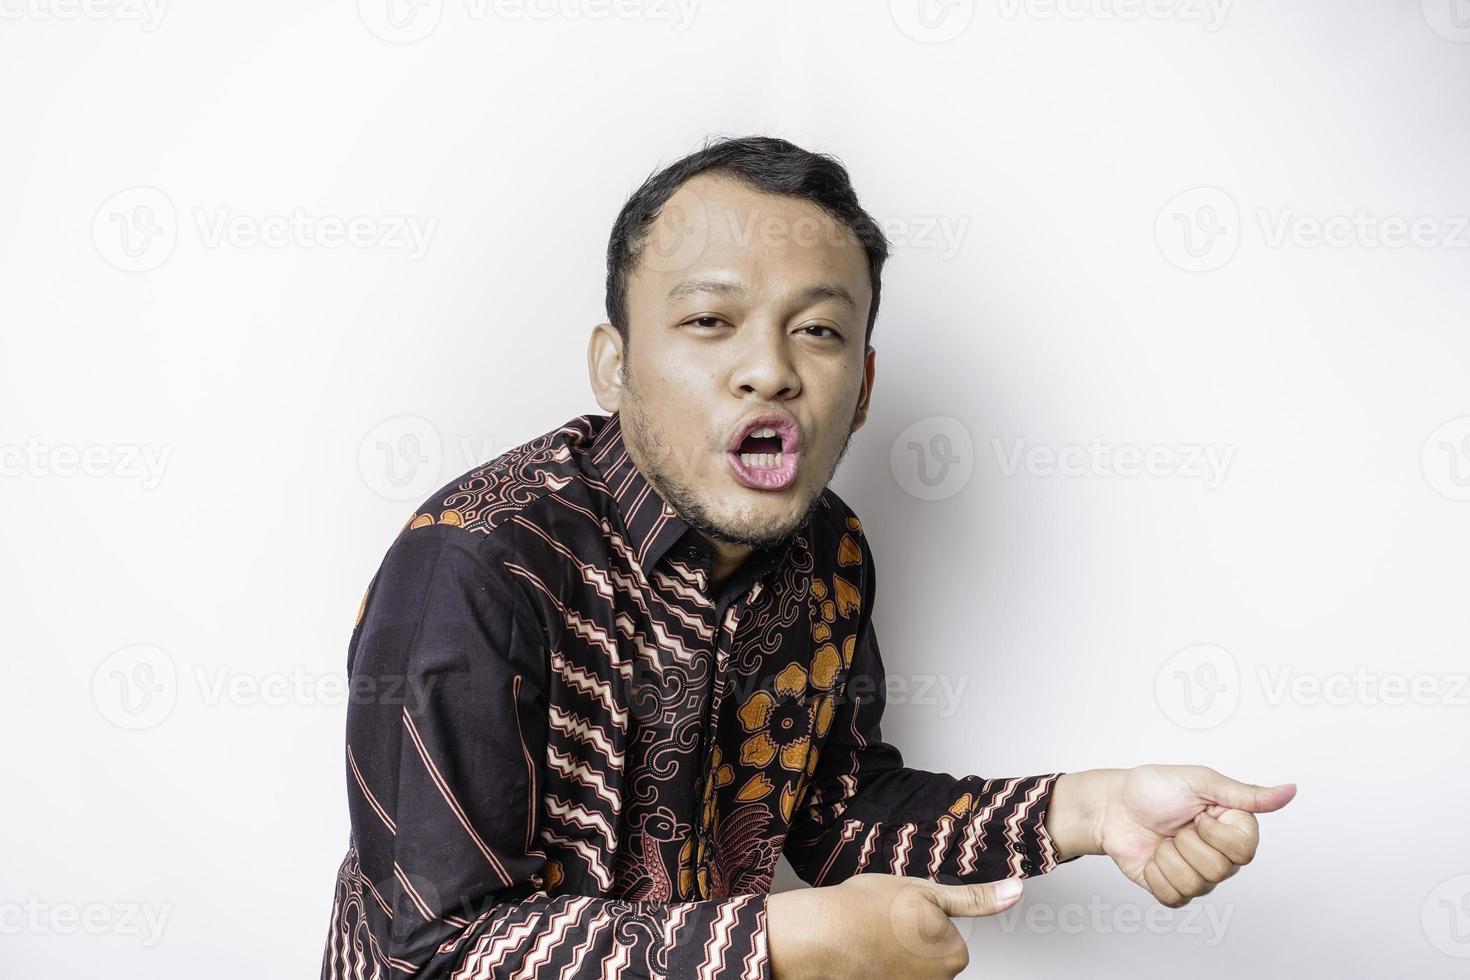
1177, 831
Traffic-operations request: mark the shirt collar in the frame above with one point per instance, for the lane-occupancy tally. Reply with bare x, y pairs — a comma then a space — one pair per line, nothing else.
653, 525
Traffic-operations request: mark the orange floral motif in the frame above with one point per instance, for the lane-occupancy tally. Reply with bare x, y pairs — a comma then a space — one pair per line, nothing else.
780, 725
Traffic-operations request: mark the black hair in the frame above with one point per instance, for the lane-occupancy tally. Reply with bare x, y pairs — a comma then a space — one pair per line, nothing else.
763, 163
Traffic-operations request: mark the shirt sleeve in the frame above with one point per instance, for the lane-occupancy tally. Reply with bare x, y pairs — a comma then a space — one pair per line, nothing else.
865, 811
447, 726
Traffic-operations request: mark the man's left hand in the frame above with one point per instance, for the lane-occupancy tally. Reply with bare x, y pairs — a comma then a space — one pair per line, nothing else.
1177, 831
1181, 830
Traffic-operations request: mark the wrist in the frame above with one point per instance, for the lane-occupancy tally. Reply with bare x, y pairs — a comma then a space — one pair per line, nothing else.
1079, 802
792, 934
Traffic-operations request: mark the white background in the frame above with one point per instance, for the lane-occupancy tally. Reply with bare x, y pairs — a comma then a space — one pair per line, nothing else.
1049, 287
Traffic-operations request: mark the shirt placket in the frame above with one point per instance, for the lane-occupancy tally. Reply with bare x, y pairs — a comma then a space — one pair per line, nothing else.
729, 619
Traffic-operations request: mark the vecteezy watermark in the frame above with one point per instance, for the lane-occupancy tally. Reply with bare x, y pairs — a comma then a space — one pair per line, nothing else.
941, 234
403, 458
1206, 920
1362, 685
1200, 230
1362, 229
1209, 13
941, 694
138, 687
407, 21
400, 21
1446, 917
932, 21
1198, 687
137, 229
1450, 19
121, 461
37, 917
147, 14
220, 685
1445, 459
1207, 463
679, 238
933, 458
1201, 686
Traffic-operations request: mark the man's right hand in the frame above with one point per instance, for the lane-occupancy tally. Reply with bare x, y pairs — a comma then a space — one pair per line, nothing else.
877, 925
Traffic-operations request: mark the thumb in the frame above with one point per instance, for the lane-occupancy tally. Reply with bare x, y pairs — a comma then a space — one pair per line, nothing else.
985, 898
1247, 796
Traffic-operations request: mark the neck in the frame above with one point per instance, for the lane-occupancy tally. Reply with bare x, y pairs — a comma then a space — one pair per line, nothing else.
728, 557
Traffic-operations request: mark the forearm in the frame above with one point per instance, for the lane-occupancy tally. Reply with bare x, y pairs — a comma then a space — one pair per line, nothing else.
1074, 816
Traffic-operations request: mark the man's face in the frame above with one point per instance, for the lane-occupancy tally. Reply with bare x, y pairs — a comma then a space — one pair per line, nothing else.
744, 304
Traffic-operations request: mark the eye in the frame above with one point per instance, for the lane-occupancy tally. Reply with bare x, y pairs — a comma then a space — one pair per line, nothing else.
703, 321
823, 326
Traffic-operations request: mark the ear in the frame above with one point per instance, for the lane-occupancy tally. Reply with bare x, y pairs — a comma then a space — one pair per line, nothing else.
870, 365
604, 366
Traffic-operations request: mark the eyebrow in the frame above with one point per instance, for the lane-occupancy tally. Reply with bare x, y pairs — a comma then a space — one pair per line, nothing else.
719, 287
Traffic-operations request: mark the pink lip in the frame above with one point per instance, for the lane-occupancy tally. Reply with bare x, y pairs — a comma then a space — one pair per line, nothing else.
758, 478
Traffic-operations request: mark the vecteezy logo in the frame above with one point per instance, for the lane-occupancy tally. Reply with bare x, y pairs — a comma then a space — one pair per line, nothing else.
1198, 687
1199, 230
136, 229
136, 687
932, 21
678, 238
402, 458
1445, 459
400, 21
1446, 917
933, 459
1450, 19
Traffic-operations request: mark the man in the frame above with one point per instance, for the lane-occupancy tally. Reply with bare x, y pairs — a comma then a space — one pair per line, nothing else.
637, 661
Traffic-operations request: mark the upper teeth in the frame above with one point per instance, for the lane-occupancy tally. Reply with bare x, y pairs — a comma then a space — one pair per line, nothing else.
762, 433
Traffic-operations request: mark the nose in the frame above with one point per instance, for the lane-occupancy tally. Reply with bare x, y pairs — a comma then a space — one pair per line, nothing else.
764, 368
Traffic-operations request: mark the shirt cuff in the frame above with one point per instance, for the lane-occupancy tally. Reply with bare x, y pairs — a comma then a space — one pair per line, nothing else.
721, 939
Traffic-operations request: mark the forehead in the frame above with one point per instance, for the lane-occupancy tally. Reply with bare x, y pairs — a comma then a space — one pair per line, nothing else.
774, 244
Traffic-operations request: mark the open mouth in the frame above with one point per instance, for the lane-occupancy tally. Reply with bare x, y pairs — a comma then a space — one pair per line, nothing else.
766, 456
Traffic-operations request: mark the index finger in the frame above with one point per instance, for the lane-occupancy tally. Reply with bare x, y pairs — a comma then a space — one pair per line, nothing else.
1236, 840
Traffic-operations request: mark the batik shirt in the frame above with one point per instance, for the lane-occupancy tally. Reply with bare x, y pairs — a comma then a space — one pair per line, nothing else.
572, 753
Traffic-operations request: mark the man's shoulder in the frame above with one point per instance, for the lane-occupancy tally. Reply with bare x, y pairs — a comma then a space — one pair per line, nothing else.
837, 515
485, 497
840, 525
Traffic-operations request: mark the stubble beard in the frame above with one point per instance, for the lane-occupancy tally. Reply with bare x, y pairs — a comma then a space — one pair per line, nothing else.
692, 505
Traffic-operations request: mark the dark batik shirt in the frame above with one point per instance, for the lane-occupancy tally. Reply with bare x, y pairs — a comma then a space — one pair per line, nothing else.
571, 753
